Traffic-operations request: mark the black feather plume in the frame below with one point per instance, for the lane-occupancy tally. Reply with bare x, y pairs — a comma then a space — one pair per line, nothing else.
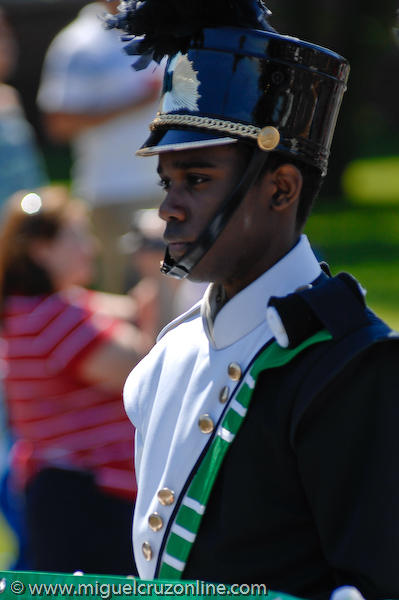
156, 28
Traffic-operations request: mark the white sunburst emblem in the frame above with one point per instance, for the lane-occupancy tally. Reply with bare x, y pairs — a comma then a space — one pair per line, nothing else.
185, 83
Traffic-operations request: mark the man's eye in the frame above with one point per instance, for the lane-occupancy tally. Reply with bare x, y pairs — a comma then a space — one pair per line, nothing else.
196, 179
164, 183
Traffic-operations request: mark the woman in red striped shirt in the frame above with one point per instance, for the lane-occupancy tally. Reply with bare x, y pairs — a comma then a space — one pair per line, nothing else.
66, 357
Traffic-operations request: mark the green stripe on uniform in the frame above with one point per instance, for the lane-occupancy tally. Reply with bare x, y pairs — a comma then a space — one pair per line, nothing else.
232, 421
168, 572
188, 518
202, 483
178, 547
244, 395
275, 356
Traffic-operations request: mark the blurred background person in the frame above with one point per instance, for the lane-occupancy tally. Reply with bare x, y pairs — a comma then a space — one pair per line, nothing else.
66, 356
20, 166
159, 299
20, 163
91, 97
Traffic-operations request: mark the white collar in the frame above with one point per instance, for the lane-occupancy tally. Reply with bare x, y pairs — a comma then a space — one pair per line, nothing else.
247, 309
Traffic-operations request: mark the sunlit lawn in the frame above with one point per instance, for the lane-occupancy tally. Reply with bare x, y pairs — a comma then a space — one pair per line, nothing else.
370, 180
363, 240
7, 545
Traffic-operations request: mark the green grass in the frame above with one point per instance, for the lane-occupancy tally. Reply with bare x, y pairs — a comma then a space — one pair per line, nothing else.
8, 547
363, 240
373, 180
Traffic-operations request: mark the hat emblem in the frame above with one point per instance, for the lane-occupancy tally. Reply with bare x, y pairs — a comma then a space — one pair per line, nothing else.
184, 83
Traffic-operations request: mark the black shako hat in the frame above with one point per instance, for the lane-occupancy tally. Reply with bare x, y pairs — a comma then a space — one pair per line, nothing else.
230, 76
227, 83
257, 86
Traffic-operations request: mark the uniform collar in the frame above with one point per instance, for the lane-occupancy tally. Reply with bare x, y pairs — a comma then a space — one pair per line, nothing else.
227, 322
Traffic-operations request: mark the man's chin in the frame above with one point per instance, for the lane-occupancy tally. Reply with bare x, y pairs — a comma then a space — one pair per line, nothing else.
200, 274
177, 250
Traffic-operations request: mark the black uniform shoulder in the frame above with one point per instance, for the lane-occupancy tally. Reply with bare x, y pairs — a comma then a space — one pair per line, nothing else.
359, 342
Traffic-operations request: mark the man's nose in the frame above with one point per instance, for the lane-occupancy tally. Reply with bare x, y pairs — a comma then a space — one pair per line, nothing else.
172, 207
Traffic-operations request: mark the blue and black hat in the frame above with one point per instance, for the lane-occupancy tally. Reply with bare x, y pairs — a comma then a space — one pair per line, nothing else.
223, 83
256, 86
230, 76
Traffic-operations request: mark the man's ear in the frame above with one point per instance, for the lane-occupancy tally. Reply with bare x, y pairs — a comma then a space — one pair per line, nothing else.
287, 184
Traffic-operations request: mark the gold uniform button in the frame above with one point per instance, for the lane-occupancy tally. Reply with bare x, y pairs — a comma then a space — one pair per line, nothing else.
234, 371
206, 424
155, 522
147, 551
224, 394
166, 497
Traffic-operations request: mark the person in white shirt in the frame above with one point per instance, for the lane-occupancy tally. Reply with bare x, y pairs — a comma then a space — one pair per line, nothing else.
92, 98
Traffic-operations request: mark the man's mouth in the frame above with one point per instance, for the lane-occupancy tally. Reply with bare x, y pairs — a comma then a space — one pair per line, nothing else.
178, 249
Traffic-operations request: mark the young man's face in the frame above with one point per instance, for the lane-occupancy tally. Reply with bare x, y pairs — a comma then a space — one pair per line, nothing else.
196, 183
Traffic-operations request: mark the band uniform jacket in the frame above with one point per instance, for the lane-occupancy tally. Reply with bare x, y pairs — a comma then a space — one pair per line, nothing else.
307, 497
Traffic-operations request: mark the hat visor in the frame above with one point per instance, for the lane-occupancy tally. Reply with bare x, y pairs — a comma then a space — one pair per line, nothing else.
181, 139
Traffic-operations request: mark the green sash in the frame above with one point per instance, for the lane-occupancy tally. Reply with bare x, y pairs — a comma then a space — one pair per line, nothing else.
186, 524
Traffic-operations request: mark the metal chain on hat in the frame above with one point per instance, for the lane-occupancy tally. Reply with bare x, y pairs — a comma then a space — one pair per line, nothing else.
240, 129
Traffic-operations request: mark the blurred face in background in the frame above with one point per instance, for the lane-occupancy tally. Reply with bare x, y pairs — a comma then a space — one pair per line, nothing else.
68, 258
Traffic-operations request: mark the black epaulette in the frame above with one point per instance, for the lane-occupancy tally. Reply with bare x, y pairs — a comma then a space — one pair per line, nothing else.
337, 305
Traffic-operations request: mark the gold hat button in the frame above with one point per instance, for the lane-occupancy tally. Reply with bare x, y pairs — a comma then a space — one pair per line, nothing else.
147, 551
234, 371
224, 394
155, 522
166, 497
268, 138
206, 424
